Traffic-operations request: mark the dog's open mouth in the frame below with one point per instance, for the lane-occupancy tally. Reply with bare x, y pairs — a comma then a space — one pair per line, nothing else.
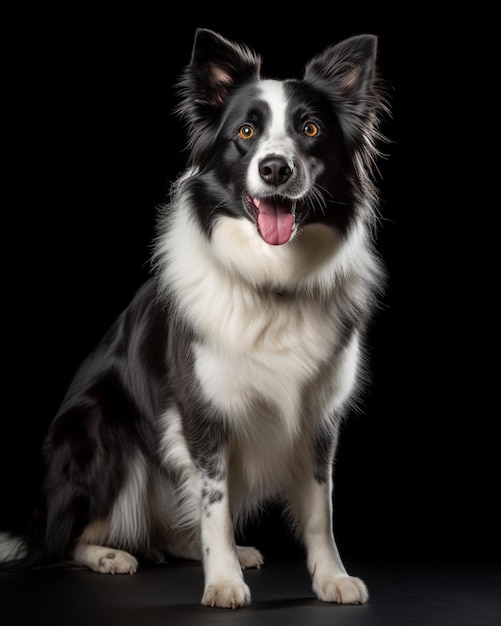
275, 216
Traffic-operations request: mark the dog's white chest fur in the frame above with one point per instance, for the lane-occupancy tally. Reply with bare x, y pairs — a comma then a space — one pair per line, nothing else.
275, 385
265, 355
264, 359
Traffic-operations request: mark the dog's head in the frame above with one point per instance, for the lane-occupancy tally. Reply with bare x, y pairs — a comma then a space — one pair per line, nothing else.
283, 154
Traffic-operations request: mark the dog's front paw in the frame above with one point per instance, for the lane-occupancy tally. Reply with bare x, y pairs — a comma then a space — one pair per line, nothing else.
341, 589
249, 557
116, 562
227, 595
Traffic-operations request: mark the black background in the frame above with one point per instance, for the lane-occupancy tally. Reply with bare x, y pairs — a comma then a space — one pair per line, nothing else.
90, 146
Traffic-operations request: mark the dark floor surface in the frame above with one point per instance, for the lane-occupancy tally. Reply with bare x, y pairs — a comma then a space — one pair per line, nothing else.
445, 594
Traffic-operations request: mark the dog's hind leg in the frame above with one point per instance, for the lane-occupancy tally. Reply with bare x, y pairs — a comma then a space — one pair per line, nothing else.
187, 546
104, 560
249, 557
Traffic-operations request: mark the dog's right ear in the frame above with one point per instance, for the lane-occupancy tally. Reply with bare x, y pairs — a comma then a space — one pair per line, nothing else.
219, 63
216, 66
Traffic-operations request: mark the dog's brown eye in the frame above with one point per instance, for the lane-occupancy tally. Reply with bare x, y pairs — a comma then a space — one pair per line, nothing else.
246, 132
310, 129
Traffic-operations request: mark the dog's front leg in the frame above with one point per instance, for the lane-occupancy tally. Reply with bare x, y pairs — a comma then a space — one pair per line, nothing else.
312, 502
224, 582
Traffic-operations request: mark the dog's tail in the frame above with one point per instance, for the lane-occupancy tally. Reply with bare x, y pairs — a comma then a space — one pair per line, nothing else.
23, 548
12, 548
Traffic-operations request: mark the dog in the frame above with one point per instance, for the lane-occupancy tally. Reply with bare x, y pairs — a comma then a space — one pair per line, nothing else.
224, 383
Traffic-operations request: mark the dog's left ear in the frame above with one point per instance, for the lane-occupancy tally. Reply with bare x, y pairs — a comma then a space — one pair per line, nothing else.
348, 66
348, 72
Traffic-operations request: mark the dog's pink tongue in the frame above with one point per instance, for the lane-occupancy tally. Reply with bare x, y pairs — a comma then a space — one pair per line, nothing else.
275, 221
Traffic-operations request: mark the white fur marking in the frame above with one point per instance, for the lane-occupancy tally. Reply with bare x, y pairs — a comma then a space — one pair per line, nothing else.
185, 501
277, 141
129, 523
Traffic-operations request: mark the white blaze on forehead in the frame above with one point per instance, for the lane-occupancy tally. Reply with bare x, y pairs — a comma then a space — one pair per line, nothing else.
272, 92
277, 139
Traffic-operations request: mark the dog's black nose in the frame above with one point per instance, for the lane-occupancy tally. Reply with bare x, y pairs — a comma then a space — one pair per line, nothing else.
274, 170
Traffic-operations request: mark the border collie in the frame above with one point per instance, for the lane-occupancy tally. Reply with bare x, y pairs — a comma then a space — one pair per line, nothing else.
223, 385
